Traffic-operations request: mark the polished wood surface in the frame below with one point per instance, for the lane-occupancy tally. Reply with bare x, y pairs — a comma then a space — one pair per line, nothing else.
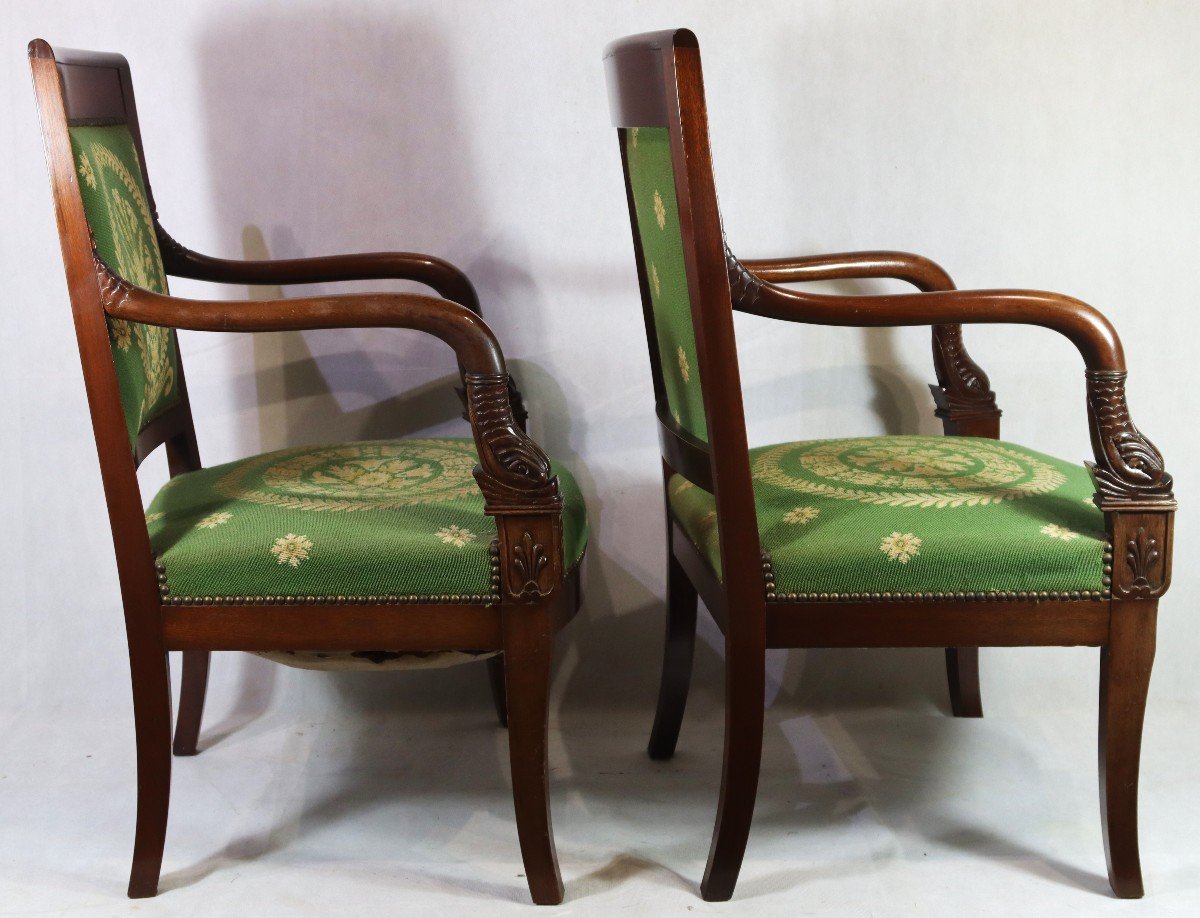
535, 596
654, 80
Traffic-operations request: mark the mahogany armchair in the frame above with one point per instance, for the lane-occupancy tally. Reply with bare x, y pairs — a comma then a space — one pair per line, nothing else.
375, 555
959, 542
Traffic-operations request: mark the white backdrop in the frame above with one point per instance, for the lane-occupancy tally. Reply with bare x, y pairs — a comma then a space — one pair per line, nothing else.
1021, 144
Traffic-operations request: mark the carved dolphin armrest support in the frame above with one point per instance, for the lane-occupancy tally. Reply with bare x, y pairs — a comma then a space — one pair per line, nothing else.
515, 476
965, 400
1132, 485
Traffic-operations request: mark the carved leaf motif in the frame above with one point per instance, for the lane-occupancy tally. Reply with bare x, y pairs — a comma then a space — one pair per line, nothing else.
113, 290
529, 560
1142, 555
743, 285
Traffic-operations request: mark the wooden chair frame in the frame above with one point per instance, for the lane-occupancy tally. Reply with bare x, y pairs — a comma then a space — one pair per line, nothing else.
655, 80
534, 593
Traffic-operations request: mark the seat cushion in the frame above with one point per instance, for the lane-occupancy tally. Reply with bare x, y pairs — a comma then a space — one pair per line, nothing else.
905, 515
394, 520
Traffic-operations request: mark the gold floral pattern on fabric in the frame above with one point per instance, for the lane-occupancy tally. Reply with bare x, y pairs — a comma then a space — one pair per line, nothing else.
900, 546
1059, 532
918, 472
684, 370
122, 224
881, 515
661, 255
456, 536
801, 515
385, 474
403, 519
86, 172
292, 549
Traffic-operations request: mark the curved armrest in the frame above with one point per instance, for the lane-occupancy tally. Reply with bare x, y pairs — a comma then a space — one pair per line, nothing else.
514, 474
1129, 469
917, 270
435, 273
966, 402
1088, 330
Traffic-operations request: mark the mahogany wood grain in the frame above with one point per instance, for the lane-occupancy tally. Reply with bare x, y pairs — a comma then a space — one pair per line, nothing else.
496, 668
193, 688
678, 649
1125, 664
654, 80
536, 596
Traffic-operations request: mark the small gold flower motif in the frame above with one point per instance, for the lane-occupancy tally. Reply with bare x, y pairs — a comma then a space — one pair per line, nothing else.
708, 520
121, 333
213, 520
456, 536
660, 211
801, 515
154, 517
902, 547
684, 485
654, 280
633, 137
85, 169
292, 549
1059, 532
684, 370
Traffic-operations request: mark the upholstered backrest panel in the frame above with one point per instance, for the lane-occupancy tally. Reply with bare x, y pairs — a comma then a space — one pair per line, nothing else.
652, 184
118, 212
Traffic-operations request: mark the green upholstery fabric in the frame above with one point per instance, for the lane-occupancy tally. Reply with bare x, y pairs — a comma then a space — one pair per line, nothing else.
114, 199
374, 519
914, 514
652, 180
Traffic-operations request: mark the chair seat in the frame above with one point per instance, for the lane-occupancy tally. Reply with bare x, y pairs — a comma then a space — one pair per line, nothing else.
385, 520
940, 516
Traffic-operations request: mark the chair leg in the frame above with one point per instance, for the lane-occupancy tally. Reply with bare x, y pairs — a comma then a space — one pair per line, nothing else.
528, 649
962, 672
1124, 679
677, 660
495, 667
744, 710
193, 687
152, 724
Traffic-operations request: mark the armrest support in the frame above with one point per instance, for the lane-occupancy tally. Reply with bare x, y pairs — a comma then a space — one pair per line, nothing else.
1129, 470
966, 403
440, 275
515, 476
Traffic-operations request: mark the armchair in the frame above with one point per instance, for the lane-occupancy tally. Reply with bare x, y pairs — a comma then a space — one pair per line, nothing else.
367, 556
959, 542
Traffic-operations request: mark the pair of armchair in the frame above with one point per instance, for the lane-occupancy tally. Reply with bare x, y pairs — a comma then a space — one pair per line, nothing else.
403, 553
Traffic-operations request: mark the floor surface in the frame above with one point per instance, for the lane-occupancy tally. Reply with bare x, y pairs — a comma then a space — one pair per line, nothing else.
370, 810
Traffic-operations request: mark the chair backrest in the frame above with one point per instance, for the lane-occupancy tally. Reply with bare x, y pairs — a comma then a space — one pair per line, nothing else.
656, 97
107, 226
111, 183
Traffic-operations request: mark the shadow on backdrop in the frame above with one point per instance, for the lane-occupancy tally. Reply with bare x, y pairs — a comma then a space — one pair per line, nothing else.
381, 156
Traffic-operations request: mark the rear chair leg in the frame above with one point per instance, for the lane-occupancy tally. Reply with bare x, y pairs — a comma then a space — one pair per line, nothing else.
152, 725
1124, 680
528, 649
677, 660
962, 672
495, 667
194, 685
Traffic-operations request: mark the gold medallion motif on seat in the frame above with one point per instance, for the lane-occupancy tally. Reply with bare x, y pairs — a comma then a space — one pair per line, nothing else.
908, 471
